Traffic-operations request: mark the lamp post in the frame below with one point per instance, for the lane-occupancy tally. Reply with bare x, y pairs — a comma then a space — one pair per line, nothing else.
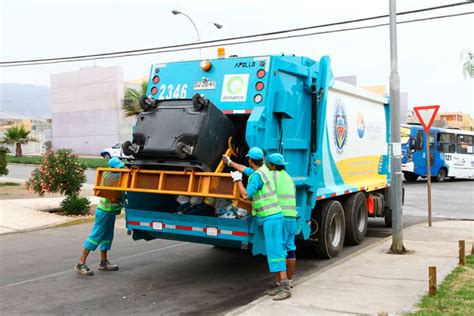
176, 12
396, 165
198, 36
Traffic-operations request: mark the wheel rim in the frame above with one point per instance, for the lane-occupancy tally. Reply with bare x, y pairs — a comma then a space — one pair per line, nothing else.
335, 231
360, 219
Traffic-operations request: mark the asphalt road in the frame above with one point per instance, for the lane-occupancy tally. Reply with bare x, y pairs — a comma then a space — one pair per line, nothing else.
169, 277
450, 199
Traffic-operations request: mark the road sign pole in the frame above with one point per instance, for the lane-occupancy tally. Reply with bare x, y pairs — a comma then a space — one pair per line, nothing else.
428, 173
395, 190
426, 115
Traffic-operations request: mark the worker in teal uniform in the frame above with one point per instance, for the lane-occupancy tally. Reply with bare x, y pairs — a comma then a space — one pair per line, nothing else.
262, 192
286, 192
103, 231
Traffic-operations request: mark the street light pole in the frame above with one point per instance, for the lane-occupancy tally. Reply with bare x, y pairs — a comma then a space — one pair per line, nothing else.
198, 36
396, 165
176, 12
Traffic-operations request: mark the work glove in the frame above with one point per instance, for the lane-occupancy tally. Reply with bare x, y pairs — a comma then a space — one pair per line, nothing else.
236, 176
226, 159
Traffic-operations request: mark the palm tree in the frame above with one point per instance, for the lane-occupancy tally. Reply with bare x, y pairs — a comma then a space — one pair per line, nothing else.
131, 100
17, 135
467, 61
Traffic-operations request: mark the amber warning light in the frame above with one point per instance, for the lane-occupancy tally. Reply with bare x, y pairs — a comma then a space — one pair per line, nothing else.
221, 52
206, 65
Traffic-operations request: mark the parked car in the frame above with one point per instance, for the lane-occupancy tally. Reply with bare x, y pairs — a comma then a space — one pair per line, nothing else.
114, 151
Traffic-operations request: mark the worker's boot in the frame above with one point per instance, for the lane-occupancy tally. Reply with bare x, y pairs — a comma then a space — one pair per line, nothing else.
105, 265
273, 290
284, 291
83, 269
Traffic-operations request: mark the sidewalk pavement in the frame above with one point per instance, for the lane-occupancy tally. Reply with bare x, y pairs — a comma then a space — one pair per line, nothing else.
372, 281
18, 215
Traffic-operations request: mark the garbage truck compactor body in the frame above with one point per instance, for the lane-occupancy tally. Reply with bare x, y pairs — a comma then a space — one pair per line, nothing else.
334, 136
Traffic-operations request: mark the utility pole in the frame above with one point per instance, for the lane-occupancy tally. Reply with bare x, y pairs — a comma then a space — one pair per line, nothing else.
396, 159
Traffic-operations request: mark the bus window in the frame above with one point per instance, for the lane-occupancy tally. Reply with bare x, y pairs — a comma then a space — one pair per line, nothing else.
432, 142
419, 140
465, 143
405, 134
446, 142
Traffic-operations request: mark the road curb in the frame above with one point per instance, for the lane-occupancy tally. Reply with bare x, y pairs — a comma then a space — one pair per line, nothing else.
66, 223
259, 300
244, 308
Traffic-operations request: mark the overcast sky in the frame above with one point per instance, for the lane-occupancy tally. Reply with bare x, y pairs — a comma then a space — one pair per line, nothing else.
429, 52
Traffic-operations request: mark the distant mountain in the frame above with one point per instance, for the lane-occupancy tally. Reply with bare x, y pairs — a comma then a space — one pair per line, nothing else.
26, 99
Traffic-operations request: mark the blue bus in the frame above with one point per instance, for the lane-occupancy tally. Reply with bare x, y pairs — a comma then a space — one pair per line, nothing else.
451, 153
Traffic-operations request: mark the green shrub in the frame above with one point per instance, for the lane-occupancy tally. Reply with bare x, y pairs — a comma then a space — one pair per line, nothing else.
75, 205
3, 161
59, 171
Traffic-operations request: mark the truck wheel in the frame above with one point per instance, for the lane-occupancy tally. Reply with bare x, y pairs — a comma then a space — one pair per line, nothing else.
106, 156
125, 148
356, 215
441, 175
329, 237
388, 217
410, 176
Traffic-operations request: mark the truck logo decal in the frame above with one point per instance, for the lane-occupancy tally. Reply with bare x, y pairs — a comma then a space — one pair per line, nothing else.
340, 126
360, 125
234, 88
244, 64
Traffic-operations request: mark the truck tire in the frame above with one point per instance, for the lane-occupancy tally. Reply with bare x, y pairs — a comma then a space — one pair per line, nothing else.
410, 176
355, 211
125, 148
106, 156
329, 237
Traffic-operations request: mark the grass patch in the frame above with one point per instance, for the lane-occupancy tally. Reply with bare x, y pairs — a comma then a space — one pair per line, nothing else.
455, 295
9, 184
35, 160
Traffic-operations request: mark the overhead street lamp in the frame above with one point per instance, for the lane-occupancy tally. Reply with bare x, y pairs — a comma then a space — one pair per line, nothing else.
176, 12
198, 36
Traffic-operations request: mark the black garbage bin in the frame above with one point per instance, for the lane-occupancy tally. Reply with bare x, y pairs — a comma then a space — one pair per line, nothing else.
185, 133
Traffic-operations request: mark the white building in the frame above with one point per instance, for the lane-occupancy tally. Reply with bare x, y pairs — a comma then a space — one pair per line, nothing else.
86, 108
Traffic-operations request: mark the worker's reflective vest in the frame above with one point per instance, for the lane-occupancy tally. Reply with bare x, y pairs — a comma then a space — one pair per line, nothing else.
265, 201
107, 206
285, 188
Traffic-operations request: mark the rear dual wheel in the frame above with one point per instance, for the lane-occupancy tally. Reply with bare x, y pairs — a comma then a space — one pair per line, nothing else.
329, 237
356, 218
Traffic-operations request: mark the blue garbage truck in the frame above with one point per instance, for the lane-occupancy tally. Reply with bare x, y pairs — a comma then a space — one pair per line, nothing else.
334, 135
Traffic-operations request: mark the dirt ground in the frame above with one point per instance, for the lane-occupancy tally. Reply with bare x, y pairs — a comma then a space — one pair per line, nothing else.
20, 192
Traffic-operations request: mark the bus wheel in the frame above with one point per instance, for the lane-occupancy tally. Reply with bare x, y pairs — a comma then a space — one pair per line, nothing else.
441, 175
410, 177
329, 237
355, 210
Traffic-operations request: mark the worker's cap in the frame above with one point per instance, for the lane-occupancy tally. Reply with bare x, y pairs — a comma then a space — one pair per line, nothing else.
115, 162
255, 153
277, 160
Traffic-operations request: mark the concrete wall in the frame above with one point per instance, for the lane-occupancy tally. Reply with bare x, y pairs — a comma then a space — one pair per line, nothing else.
86, 109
